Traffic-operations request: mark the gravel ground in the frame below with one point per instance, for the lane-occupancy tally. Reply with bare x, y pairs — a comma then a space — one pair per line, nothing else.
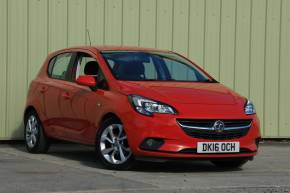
70, 168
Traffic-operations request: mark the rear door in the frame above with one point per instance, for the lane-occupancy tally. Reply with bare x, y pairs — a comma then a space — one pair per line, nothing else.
53, 91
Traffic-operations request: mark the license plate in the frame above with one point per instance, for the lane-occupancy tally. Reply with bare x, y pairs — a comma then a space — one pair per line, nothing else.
218, 147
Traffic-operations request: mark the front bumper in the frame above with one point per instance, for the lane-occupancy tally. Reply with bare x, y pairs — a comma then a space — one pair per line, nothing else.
177, 144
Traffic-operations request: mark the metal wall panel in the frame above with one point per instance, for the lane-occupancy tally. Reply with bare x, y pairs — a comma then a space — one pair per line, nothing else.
242, 48
76, 22
180, 26
227, 42
212, 37
284, 93
113, 22
243, 43
95, 22
257, 59
57, 24
3, 62
130, 22
272, 64
17, 68
147, 23
164, 24
37, 36
196, 35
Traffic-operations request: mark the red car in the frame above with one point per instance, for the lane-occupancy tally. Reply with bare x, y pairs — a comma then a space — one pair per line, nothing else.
138, 103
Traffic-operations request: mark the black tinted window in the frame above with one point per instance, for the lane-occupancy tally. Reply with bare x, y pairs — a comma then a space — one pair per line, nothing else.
83, 61
153, 66
87, 65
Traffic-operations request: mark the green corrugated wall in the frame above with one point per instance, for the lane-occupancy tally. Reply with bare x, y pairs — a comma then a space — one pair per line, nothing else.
243, 43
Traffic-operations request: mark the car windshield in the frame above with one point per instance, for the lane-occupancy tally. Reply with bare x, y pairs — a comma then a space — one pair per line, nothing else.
152, 66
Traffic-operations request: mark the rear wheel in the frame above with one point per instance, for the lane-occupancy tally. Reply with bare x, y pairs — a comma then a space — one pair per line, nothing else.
229, 164
35, 138
112, 145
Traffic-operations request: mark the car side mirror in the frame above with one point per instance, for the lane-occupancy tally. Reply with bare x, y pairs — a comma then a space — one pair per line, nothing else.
86, 80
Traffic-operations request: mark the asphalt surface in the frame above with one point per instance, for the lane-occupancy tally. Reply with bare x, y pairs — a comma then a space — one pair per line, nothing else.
70, 168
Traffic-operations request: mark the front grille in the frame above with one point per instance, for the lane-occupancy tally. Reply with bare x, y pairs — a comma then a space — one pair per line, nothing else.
204, 129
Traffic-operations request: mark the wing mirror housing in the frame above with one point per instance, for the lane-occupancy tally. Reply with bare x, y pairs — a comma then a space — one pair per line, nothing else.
86, 80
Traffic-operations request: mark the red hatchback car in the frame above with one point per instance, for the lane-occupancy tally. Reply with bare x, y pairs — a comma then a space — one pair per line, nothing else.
134, 103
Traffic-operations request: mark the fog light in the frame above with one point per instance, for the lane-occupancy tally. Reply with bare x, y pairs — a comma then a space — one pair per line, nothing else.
152, 143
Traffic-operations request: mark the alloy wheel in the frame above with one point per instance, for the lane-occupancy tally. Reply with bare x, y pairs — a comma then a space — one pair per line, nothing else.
31, 131
114, 145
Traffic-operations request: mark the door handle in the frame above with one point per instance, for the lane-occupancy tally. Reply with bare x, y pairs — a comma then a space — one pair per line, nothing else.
66, 95
43, 89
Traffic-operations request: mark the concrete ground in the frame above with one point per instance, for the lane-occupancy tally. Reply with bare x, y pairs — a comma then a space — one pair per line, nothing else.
69, 168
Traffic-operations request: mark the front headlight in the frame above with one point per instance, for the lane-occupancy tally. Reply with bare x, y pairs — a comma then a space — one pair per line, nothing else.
249, 108
148, 107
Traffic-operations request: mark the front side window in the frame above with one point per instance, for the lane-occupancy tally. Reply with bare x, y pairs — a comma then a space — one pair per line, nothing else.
92, 67
58, 67
152, 66
87, 65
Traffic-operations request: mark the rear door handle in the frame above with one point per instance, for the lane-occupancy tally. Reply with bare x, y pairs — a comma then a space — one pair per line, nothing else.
43, 89
66, 95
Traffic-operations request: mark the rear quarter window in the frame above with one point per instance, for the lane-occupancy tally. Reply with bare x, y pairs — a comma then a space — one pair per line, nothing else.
59, 66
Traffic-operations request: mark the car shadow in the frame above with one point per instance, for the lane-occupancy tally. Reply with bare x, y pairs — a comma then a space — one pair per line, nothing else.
86, 156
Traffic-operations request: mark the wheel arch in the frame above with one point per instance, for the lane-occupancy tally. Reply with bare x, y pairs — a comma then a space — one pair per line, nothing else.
103, 118
28, 109
107, 116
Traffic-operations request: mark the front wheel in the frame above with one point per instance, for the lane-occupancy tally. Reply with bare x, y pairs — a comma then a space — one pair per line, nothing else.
112, 145
229, 164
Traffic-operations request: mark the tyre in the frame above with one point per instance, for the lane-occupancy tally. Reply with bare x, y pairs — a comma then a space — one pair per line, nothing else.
35, 138
229, 164
112, 146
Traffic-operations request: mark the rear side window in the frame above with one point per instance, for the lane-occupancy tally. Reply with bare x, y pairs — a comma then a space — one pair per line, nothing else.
59, 66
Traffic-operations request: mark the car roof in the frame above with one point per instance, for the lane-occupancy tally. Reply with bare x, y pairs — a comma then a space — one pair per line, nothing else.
116, 48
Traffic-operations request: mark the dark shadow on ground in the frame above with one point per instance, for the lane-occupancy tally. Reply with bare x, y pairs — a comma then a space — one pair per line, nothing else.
86, 156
